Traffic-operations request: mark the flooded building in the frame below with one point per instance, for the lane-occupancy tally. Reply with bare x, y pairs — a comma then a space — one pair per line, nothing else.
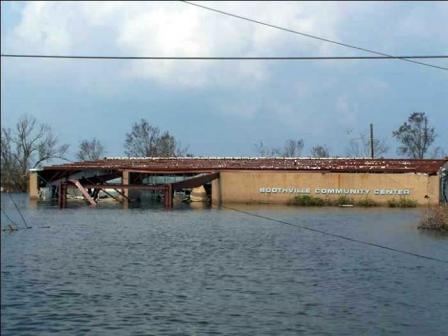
251, 180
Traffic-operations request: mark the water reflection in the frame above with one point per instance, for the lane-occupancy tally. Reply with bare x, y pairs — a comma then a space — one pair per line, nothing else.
216, 271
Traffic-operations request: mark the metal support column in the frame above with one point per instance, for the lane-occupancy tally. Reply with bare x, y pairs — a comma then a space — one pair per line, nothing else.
168, 195
62, 195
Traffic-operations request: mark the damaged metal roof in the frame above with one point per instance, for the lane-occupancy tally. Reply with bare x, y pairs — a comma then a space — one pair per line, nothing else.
209, 164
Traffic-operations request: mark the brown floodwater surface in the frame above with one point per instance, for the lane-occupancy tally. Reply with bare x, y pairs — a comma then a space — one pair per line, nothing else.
196, 270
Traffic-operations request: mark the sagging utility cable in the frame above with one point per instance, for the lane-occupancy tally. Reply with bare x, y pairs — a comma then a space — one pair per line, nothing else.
12, 226
335, 235
20, 213
226, 58
323, 39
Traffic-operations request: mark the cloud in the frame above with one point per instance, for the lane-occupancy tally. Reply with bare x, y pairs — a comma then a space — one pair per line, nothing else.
318, 99
177, 29
347, 109
174, 29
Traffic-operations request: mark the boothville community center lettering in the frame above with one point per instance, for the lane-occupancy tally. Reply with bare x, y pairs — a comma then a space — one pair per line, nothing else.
325, 191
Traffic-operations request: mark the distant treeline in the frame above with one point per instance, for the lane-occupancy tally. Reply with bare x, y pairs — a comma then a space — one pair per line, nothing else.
415, 138
32, 144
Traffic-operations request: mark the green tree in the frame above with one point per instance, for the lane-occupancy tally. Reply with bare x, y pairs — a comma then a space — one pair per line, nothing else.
145, 140
167, 146
415, 136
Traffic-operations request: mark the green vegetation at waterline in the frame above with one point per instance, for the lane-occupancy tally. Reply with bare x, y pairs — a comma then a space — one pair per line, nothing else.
367, 203
308, 200
342, 201
435, 218
402, 203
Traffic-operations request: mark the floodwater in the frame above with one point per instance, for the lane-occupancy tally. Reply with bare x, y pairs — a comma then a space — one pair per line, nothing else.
207, 271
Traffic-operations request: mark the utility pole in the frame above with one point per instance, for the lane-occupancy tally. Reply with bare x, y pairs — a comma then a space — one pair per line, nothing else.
372, 153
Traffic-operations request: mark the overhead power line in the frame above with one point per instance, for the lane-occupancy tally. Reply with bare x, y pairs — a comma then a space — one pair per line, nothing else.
20, 212
227, 58
335, 235
406, 59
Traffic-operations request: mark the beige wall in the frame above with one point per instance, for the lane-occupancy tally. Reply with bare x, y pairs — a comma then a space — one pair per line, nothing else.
125, 180
33, 185
244, 186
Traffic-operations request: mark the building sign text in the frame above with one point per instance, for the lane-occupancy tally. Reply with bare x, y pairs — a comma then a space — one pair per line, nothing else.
330, 191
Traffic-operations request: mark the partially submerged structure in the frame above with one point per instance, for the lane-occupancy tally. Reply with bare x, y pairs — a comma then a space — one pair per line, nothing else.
248, 180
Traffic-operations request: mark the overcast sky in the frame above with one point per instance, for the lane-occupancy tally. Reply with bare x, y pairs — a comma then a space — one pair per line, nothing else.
225, 107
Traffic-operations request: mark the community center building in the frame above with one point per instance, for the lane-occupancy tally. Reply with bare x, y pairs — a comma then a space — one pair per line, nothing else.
248, 179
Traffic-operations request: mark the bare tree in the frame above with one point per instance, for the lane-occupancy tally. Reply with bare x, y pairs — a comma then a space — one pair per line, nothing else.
9, 166
360, 147
145, 140
293, 148
142, 139
90, 150
31, 145
262, 150
415, 136
438, 153
320, 151
290, 149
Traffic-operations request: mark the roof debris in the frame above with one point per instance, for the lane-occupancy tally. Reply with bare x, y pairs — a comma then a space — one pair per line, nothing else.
206, 164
